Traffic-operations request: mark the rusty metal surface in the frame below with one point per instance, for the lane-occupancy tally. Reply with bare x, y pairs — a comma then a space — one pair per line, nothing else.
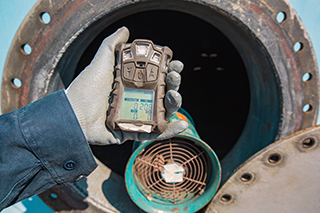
283, 177
74, 24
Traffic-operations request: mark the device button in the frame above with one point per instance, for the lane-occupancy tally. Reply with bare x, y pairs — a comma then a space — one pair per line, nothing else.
128, 70
152, 72
140, 75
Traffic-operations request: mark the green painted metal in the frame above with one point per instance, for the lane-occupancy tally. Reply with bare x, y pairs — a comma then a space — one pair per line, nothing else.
192, 205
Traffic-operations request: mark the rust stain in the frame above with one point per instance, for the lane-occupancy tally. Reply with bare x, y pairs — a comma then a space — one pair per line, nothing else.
185, 208
175, 210
298, 87
24, 92
254, 7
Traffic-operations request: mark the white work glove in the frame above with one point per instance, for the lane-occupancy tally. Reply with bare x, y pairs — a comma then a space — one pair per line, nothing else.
89, 94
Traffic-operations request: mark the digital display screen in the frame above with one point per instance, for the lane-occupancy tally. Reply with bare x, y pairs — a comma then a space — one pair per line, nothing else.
137, 105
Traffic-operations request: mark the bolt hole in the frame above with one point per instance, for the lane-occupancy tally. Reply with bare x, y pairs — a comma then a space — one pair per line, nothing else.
246, 177
306, 77
54, 196
26, 49
297, 46
45, 18
226, 198
281, 16
308, 143
16, 82
307, 108
274, 158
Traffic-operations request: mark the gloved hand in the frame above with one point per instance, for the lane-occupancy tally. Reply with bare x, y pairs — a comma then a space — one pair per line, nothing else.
89, 94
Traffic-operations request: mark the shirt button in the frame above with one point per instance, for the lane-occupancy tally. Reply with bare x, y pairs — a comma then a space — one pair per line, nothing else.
69, 165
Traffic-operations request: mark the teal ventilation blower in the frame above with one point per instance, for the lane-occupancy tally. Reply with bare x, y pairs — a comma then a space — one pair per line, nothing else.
180, 174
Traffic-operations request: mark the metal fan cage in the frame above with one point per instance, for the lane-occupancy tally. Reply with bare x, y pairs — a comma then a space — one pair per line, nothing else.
149, 164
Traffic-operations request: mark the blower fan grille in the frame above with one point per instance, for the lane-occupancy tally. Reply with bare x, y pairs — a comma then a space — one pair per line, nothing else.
172, 171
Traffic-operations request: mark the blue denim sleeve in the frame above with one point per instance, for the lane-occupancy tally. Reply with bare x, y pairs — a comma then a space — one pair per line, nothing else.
41, 145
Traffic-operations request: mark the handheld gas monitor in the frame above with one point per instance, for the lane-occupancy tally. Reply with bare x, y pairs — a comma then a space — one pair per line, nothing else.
139, 87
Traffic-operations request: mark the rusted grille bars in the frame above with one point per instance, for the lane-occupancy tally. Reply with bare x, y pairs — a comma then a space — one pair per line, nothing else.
150, 162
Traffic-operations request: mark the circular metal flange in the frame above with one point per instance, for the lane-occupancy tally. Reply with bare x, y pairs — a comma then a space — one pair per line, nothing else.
283, 177
38, 47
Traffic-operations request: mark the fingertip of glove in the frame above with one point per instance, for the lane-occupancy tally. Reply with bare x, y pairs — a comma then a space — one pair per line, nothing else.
173, 99
123, 28
173, 129
177, 127
176, 66
121, 35
183, 125
124, 31
173, 80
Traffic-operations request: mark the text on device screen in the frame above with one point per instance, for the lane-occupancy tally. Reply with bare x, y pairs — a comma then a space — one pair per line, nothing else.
137, 104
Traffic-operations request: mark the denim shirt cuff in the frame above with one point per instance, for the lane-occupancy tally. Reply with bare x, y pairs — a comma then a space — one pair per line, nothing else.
53, 133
